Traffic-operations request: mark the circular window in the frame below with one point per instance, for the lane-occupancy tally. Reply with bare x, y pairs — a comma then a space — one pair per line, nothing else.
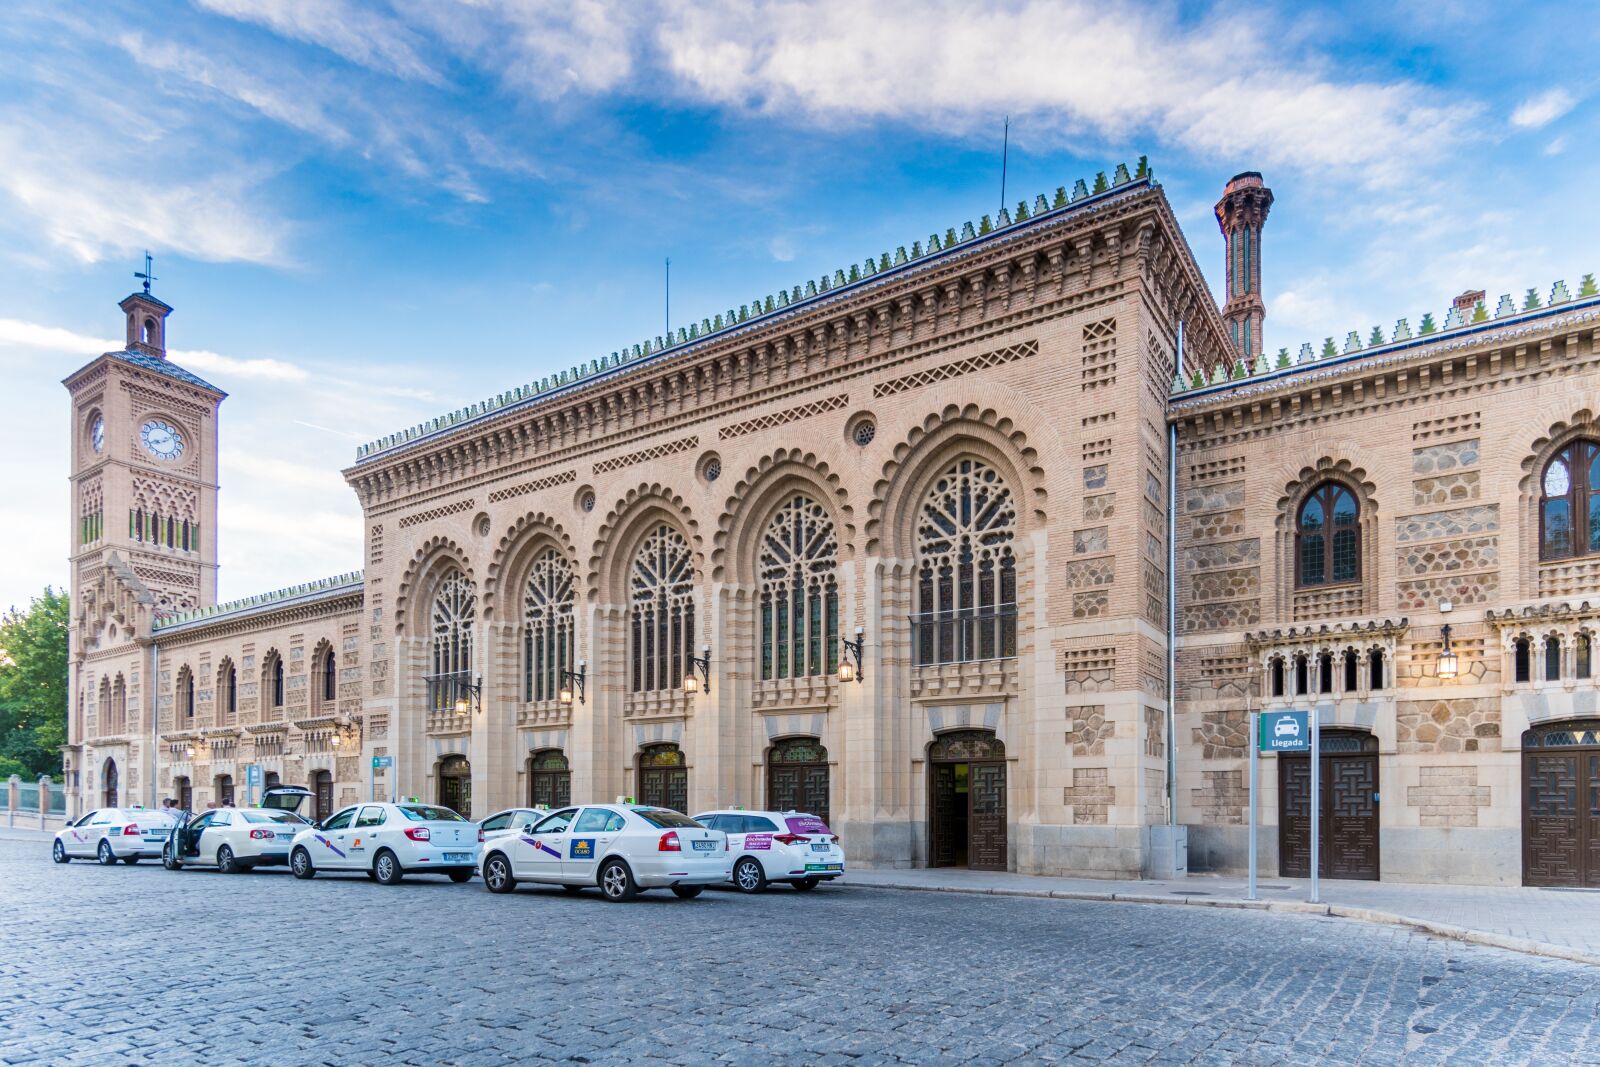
483, 526
588, 502
710, 466
864, 432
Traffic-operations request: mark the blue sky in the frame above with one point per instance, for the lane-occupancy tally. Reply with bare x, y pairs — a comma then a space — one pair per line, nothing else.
367, 214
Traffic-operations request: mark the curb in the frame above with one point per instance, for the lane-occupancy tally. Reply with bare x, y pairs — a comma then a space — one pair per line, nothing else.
1285, 907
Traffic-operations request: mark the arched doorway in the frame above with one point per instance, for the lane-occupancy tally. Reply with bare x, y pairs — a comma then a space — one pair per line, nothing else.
967, 801
549, 779
797, 776
184, 793
663, 777
322, 789
224, 791
108, 777
1561, 805
270, 780
1348, 838
455, 785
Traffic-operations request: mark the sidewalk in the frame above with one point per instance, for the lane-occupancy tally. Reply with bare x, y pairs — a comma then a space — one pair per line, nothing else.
1563, 923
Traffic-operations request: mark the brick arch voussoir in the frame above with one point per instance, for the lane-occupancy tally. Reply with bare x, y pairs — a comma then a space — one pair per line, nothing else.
1299, 484
1561, 432
932, 441
514, 551
436, 552
618, 533
749, 506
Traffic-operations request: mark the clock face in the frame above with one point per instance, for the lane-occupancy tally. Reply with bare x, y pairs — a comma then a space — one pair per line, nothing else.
97, 434
161, 439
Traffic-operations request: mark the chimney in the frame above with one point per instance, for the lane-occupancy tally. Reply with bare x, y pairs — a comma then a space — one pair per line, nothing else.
1241, 214
1467, 301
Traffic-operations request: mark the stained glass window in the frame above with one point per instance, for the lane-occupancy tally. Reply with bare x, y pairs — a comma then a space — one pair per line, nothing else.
799, 592
1569, 502
661, 612
455, 609
966, 567
547, 626
1328, 537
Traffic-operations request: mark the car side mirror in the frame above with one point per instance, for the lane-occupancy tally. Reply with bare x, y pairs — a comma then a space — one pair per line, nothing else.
316, 825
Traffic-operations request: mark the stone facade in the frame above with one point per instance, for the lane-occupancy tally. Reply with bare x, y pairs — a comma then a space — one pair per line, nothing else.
745, 500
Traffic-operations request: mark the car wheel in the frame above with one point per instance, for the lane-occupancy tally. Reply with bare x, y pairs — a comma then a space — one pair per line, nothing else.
300, 864
748, 875
130, 860
225, 861
460, 876
106, 857
805, 885
386, 869
497, 874
58, 852
617, 883
168, 860
687, 892
573, 889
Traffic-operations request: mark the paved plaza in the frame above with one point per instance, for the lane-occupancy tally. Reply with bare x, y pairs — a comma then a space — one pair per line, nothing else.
200, 967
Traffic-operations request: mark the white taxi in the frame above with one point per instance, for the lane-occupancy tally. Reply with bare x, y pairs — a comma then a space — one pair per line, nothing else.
386, 842
622, 848
778, 846
112, 834
510, 821
239, 839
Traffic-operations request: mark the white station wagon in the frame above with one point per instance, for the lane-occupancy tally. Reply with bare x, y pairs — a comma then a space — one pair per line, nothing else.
238, 839
622, 848
112, 834
386, 842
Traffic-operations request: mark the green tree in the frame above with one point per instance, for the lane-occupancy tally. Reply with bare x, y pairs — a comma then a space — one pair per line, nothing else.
33, 686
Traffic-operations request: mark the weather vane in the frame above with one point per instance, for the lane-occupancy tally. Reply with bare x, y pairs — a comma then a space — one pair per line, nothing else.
146, 275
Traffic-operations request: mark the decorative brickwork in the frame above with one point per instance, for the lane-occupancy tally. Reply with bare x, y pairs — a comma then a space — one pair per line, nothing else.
668, 448
1083, 573
1443, 557
1223, 734
1446, 426
1579, 577
1099, 355
1090, 540
1325, 603
1090, 795
1455, 488
783, 418
1226, 584
1090, 605
1466, 589
1091, 670
1437, 459
1214, 497
1154, 732
1216, 470
1089, 729
1227, 615
532, 487
1216, 525
1100, 506
1226, 554
956, 369
1448, 724
437, 513
1436, 525
1448, 796
1095, 477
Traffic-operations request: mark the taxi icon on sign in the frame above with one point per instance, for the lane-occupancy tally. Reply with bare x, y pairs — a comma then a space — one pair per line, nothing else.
1286, 728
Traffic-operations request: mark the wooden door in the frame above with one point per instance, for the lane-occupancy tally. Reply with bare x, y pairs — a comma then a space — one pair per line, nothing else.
798, 778
986, 816
1349, 817
663, 778
322, 786
549, 780
942, 847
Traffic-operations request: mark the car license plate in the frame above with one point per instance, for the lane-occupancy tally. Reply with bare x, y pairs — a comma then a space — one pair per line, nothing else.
704, 846
458, 857
824, 866
819, 846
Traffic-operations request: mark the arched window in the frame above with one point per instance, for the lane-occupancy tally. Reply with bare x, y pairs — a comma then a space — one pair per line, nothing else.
799, 593
547, 626
661, 612
1325, 672
966, 568
1328, 537
455, 609
104, 706
228, 690
1302, 675
1375, 669
272, 679
119, 705
1582, 654
186, 695
1552, 659
1522, 660
1569, 502
330, 676
1277, 686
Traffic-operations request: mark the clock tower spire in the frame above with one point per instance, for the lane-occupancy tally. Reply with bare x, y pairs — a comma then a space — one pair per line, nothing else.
147, 316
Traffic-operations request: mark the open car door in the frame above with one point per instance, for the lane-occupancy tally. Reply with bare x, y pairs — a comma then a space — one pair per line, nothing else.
286, 798
181, 842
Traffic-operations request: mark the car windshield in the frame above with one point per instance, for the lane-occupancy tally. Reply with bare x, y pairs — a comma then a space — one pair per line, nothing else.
273, 816
429, 813
807, 824
666, 818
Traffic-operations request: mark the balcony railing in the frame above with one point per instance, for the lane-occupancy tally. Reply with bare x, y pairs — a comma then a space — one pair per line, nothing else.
443, 690
964, 636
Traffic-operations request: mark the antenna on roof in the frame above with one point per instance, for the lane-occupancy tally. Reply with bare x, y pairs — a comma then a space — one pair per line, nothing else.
669, 296
147, 275
1005, 153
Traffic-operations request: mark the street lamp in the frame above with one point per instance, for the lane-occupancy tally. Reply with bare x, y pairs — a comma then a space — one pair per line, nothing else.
850, 669
702, 663
1447, 659
469, 698
570, 680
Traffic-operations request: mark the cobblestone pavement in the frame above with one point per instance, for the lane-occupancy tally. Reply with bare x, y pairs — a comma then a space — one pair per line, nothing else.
136, 964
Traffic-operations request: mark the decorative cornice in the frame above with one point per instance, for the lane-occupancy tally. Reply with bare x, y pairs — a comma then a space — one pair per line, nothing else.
291, 596
1335, 632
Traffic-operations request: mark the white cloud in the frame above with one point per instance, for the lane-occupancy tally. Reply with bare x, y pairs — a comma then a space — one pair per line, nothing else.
1538, 111
782, 249
53, 338
18, 333
274, 370
353, 31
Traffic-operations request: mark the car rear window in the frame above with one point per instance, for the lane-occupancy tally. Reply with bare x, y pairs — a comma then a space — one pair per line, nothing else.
429, 813
272, 816
666, 818
807, 824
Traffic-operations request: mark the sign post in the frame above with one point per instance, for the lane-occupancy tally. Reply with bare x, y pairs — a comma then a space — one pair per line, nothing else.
252, 778
1280, 731
1316, 805
372, 775
1254, 762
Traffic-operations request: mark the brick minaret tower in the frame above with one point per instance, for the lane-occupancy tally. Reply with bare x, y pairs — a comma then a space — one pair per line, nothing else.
1241, 213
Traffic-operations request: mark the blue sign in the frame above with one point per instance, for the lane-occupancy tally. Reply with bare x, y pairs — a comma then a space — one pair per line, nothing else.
252, 774
380, 762
1285, 731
